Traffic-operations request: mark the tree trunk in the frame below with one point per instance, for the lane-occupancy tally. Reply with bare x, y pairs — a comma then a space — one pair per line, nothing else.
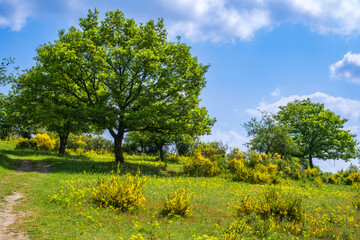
118, 139
118, 149
310, 161
162, 155
161, 151
63, 142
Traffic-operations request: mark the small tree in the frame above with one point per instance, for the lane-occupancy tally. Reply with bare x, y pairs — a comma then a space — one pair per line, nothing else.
34, 104
318, 132
5, 125
270, 136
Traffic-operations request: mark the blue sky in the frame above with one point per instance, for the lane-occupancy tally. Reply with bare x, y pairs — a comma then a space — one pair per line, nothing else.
263, 53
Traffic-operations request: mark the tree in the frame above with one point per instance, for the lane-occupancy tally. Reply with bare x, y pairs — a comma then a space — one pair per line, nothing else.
128, 75
270, 136
34, 104
4, 76
5, 125
318, 132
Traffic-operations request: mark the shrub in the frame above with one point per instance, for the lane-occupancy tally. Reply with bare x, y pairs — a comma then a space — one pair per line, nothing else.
318, 181
26, 144
272, 202
243, 173
337, 178
122, 194
200, 166
177, 158
44, 142
356, 201
353, 178
253, 159
178, 203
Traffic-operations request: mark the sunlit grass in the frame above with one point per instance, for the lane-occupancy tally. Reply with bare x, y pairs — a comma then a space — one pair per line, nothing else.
59, 204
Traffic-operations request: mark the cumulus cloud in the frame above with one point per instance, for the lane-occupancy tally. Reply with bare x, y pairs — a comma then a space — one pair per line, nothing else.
14, 13
215, 20
348, 108
219, 20
232, 138
347, 68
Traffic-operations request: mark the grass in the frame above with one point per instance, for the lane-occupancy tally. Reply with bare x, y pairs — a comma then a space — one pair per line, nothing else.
329, 212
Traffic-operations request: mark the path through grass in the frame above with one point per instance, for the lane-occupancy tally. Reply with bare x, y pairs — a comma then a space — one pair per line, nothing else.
58, 202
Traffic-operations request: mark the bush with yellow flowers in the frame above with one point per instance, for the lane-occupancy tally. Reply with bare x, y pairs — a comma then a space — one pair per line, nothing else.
178, 203
124, 194
356, 201
200, 166
44, 142
353, 178
272, 202
249, 168
337, 178
177, 158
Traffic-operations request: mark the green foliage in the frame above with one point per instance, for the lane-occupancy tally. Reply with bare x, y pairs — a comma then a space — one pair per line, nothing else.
205, 162
178, 158
118, 193
28, 144
178, 203
249, 168
318, 132
353, 178
272, 202
39, 142
87, 143
4, 75
356, 201
44, 142
127, 77
270, 136
200, 166
34, 103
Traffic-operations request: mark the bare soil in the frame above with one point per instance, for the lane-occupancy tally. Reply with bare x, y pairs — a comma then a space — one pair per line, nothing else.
9, 217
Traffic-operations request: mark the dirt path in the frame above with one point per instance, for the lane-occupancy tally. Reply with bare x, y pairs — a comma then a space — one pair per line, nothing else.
8, 217
41, 167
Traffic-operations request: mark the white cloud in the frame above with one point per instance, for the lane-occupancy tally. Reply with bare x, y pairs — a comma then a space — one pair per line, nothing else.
15, 13
345, 107
18, 11
276, 92
347, 68
215, 20
231, 138
224, 20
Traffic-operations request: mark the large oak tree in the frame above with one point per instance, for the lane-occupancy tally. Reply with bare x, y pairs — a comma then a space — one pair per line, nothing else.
128, 75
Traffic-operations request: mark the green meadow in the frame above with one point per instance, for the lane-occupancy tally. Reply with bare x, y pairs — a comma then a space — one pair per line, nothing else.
58, 201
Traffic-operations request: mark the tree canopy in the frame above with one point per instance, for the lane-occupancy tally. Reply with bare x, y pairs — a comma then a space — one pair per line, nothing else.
318, 132
34, 104
270, 136
129, 77
4, 76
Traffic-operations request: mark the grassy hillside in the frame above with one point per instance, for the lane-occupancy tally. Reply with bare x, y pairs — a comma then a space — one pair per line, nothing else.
59, 202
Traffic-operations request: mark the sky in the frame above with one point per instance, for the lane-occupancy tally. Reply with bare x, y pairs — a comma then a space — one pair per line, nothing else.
263, 53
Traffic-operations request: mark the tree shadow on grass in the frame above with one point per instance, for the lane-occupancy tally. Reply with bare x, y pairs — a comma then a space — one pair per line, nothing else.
74, 164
